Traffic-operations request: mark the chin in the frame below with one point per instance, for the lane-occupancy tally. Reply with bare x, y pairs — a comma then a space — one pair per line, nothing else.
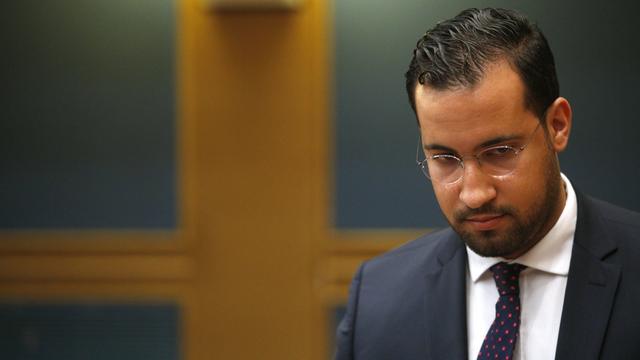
491, 244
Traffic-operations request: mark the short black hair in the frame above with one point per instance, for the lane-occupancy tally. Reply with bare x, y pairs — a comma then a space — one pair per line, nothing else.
456, 52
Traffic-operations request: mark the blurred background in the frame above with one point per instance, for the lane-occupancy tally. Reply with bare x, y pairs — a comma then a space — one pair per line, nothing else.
184, 181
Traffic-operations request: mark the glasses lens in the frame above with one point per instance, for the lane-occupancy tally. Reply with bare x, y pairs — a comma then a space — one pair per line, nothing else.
444, 168
498, 161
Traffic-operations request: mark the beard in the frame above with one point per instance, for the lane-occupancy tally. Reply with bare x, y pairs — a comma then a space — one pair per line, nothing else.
526, 225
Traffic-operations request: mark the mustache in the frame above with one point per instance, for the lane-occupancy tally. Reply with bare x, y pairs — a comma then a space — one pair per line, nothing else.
463, 214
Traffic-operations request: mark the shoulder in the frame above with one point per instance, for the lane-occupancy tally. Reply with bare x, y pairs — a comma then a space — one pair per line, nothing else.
603, 226
418, 255
387, 299
611, 216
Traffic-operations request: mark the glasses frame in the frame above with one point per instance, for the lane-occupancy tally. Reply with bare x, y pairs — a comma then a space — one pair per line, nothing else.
424, 167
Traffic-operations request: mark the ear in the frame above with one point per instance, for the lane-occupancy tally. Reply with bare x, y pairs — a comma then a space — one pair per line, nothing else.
558, 123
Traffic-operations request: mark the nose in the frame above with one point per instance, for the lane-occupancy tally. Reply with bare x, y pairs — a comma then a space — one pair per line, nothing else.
477, 187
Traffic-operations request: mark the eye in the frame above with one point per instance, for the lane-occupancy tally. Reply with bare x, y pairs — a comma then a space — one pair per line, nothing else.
445, 160
498, 152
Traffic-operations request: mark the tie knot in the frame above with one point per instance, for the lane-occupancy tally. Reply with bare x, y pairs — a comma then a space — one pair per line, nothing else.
507, 277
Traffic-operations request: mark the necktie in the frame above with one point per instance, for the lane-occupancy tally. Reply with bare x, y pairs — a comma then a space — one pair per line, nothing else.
503, 333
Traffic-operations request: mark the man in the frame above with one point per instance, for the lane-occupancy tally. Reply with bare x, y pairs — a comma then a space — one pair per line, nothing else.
529, 268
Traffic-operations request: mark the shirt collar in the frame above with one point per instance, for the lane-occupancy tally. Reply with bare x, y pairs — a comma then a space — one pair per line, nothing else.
552, 254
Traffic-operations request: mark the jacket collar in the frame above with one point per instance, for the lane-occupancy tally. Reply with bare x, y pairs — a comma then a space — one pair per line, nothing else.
591, 287
445, 301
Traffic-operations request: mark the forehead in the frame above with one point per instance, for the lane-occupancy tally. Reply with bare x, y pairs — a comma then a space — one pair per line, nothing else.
461, 118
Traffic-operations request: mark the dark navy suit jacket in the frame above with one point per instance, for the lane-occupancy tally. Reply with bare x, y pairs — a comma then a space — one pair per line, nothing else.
410, 303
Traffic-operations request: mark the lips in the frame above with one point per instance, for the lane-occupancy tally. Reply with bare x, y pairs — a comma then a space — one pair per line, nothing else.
485, 222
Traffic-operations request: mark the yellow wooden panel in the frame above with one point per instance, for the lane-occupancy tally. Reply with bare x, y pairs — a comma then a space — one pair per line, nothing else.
91, 241
96, 268
249, 83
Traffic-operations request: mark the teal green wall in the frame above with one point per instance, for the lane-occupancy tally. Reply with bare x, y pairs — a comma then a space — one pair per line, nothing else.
88, 114
89, 331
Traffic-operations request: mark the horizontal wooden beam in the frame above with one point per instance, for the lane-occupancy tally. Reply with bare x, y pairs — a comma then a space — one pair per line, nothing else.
96, 268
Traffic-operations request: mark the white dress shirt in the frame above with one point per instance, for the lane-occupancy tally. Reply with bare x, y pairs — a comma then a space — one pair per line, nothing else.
542, 288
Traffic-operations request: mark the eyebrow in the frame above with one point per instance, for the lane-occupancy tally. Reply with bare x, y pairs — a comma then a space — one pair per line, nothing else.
488, 143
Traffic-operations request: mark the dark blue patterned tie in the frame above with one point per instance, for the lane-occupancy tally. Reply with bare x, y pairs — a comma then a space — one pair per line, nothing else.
503, 334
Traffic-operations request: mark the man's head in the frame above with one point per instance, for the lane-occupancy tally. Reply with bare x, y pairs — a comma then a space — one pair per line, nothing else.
473, 94
456, 52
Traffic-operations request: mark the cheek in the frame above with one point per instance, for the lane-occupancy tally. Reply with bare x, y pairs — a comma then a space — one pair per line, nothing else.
532, 182
513, 193
522, 191
447, 197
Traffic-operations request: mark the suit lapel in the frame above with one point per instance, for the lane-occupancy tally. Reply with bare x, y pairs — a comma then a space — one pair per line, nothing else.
591, 288
445, 303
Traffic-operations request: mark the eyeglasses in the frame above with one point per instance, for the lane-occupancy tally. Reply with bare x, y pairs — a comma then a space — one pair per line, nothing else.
494, 161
